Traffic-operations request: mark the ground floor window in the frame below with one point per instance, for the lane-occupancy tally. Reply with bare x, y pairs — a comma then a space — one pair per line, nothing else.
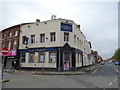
31, 57
52, 57
23, 58
41, 57
80, 58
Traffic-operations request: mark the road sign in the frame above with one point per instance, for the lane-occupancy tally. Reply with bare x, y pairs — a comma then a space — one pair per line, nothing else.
4, 51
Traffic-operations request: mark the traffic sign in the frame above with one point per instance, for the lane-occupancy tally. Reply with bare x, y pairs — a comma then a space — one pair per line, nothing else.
4, 51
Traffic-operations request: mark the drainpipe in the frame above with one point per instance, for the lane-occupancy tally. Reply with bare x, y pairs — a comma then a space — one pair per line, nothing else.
59, 60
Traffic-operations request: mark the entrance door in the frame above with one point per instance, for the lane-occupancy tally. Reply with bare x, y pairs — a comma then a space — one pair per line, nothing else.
66, 61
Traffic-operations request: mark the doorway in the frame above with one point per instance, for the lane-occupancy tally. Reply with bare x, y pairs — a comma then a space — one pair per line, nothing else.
66, 60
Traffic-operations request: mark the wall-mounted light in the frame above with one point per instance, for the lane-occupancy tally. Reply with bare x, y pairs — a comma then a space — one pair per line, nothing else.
26, 46
46, 37
28, 26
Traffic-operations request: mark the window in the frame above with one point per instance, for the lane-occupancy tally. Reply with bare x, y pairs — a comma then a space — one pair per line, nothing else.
9, 44
31, 57
42, 38
10, 34
32, 38
66, 36
4, 36
3, 45
78, 58
14, 44
52, 36
52, 58
41, 58
23, 58
16, 33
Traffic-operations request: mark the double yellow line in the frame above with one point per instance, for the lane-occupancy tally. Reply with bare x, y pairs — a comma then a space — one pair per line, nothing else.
96, 69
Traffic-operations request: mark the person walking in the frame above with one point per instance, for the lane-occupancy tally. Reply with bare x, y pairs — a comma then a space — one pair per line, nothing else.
13, 65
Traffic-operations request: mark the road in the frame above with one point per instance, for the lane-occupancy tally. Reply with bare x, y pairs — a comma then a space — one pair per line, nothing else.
105, 77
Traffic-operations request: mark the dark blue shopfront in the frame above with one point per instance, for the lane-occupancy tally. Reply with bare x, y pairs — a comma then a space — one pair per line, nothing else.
65, 56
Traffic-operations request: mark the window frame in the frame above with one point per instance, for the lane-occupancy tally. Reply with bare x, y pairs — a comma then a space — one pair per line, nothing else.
40, 61
42, 38
33, 39
66, 36
50, 57
52, 36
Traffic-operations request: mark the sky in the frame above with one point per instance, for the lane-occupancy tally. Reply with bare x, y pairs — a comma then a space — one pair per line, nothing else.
98, 18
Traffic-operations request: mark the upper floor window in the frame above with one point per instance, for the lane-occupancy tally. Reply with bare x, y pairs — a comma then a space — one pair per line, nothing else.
42, 37
4, 36
9, 45
66, 36
3, 45
10, 34
16, 33
15, 44
32, 38
52, 36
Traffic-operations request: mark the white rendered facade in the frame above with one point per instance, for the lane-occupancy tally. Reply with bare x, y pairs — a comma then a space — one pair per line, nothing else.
41, 32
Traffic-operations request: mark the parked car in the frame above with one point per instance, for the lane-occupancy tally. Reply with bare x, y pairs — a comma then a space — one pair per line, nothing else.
102, 63
117, 63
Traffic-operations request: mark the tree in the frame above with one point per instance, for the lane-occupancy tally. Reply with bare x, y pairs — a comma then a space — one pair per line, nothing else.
116, 55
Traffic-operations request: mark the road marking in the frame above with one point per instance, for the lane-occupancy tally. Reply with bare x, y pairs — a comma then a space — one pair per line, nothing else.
96, 69
110, 84
114, 80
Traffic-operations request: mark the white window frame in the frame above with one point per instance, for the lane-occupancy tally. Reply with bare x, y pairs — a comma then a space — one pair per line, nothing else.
52, 58
41, 58
42, 38
32, 39
66, 36
52, 36
9, 45
15, 44
16, 33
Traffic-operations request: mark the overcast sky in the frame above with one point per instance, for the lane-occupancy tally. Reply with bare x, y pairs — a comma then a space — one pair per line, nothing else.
98, 19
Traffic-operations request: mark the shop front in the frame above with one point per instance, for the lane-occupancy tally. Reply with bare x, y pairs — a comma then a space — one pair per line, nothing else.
49, 58
12, 55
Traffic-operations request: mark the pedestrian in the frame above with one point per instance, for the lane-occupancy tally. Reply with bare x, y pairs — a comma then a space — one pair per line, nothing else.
13, 65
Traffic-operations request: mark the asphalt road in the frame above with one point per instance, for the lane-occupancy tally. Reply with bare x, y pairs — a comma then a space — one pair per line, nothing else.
105, 77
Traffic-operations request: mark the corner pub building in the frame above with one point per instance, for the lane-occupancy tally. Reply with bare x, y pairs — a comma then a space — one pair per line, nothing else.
56, 44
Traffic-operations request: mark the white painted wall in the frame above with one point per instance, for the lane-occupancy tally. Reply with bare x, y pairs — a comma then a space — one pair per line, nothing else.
47, 27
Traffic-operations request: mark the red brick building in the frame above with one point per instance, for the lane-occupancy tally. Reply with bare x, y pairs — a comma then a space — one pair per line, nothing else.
10, 40
10, 37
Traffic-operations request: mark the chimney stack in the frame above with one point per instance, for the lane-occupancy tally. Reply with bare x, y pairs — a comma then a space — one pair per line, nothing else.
37, 20
78, 26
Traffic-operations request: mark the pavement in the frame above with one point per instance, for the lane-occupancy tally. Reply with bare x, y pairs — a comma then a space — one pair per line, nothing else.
85, 70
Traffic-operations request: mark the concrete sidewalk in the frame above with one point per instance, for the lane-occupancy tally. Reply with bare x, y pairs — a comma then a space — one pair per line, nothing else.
81, 71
